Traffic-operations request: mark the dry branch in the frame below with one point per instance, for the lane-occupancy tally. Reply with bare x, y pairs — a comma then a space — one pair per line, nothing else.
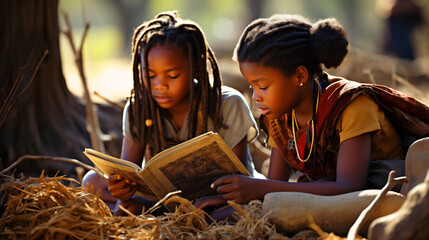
59, 159
410, 86
11, 97
93, 122
119, 105
391, 182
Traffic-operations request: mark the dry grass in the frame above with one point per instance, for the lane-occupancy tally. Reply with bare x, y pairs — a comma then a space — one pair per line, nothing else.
45, 208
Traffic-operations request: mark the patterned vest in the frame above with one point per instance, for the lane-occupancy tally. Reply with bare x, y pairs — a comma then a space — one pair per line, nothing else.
409, 116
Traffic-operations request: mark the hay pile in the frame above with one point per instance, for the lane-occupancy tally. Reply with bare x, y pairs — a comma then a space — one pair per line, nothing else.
44, 208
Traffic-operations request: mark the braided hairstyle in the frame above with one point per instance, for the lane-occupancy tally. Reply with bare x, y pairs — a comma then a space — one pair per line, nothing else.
205, 83
288, 41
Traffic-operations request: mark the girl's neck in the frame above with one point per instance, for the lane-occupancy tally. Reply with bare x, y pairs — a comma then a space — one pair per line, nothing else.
178, 115
304, 111
179, 119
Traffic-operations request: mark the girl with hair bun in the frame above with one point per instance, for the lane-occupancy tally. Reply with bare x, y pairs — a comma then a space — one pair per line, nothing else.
342, 135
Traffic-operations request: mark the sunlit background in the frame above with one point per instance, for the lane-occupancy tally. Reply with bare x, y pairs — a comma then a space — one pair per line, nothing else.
107, 54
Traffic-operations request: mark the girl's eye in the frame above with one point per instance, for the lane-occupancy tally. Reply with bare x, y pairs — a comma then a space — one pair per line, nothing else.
174, 76
263, 88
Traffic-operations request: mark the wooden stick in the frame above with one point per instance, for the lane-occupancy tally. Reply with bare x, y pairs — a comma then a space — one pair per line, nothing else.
163, 200
410, 86
10, 99
119, 105
370, 75
363, 217
92, 117
312, 224
59, 159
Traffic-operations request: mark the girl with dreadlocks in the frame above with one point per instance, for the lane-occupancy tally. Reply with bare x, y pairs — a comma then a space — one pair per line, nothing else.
342, 135
177, 95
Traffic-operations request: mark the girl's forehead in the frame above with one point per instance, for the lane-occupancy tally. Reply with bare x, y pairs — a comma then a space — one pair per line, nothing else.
165, 49
165, 58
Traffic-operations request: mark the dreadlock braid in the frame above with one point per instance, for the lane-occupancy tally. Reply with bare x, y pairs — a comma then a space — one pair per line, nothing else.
168, 28
288, 41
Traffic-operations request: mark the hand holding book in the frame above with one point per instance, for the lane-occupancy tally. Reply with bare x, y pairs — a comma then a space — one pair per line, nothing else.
191, 167
121, 188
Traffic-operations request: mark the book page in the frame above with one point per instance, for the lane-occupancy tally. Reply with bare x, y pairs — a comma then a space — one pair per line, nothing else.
120, 167
178, 147
112, 159
193, 168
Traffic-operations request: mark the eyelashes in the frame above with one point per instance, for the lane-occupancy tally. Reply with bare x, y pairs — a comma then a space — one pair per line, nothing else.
260, 88
172, 77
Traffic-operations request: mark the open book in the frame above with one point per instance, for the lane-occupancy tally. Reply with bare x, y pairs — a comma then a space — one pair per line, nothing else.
191, 167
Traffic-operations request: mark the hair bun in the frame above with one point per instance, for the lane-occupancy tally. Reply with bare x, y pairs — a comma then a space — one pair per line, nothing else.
328, 42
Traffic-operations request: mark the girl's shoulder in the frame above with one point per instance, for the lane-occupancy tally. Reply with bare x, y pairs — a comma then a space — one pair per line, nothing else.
231, 95
238, 118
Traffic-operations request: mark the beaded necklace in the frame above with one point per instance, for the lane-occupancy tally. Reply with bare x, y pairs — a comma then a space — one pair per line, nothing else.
295, 124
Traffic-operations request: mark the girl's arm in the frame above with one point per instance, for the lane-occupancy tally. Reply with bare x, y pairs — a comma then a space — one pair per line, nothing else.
352, 173
132, 151
279, 169
240, 151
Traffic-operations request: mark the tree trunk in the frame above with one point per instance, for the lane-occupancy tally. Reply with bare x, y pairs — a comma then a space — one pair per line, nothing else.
47, 119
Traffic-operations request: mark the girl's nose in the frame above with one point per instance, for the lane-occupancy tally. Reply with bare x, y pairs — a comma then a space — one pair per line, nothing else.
159, 83
255, 96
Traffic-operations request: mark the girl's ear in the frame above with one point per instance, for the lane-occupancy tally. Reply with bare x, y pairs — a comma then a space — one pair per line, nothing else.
301, 73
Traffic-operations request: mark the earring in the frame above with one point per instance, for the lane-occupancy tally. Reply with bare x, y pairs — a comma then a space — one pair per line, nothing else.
300, 84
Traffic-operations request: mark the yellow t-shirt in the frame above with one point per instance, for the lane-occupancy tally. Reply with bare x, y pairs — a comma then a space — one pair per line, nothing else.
362, 116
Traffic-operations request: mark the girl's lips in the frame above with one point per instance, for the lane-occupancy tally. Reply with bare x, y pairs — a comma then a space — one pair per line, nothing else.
264, 110
162, 99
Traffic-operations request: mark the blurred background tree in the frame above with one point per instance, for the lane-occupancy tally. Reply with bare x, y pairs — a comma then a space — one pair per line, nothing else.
46, 119
119, 17
108, 47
